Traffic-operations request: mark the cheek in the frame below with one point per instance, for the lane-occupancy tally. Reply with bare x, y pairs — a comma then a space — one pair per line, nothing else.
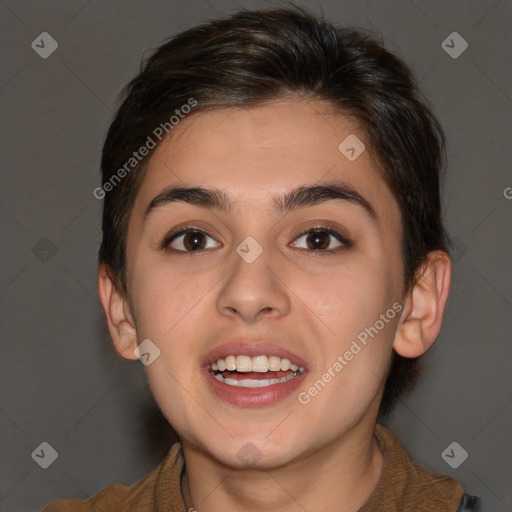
350, 302
175, 311
350, 297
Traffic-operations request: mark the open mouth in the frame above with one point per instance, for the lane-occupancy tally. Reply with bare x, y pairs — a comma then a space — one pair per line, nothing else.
254, 372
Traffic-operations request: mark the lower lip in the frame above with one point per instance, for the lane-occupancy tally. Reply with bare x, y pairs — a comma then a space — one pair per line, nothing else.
253, 397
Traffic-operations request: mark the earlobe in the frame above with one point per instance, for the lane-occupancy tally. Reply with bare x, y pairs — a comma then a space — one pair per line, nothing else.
424, 306
117, 312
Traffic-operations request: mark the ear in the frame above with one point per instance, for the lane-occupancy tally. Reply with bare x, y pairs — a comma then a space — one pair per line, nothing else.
117, 312
424, 306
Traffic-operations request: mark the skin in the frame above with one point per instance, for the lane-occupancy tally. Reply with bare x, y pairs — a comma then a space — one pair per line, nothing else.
321, 456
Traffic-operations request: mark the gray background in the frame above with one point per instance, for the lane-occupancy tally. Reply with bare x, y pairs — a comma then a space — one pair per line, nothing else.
62, 382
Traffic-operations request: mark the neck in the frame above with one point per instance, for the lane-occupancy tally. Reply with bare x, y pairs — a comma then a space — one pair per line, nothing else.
337, 477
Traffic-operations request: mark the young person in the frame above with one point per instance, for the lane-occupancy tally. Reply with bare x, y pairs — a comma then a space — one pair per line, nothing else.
273, 252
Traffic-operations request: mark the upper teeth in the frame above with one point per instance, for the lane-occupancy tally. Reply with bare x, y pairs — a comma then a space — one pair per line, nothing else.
260, 364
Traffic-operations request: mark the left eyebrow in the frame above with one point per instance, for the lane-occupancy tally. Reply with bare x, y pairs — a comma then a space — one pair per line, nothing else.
301, 197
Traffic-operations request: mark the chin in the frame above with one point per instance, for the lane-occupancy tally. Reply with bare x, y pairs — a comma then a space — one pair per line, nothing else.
248, 453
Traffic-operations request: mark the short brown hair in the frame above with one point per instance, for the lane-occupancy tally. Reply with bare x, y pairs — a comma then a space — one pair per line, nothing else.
253, 57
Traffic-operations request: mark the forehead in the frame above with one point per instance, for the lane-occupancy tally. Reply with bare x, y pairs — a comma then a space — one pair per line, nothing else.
252, 151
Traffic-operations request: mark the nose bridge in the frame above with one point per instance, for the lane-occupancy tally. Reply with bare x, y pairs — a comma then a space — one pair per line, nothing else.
250, 262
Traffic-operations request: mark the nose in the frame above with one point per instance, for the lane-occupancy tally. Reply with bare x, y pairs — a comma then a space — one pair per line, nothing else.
254, 288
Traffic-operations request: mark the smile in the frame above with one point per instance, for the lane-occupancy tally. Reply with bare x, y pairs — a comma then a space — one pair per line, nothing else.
254, 372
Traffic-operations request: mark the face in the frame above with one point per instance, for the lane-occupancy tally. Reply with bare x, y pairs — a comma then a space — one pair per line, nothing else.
307, 283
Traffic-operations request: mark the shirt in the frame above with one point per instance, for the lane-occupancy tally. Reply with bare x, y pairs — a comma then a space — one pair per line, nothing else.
404, 486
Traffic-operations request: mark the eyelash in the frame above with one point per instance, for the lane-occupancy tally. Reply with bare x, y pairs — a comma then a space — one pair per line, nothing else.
346, 243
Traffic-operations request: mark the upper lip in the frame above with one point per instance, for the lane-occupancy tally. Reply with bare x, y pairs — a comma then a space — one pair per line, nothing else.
251, 347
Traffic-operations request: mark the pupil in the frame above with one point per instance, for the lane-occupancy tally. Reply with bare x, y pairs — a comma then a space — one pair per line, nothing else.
195, 236
316, 237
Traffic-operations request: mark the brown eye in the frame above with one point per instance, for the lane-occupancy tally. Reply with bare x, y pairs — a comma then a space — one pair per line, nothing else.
319, 239
187, 240
194, 240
